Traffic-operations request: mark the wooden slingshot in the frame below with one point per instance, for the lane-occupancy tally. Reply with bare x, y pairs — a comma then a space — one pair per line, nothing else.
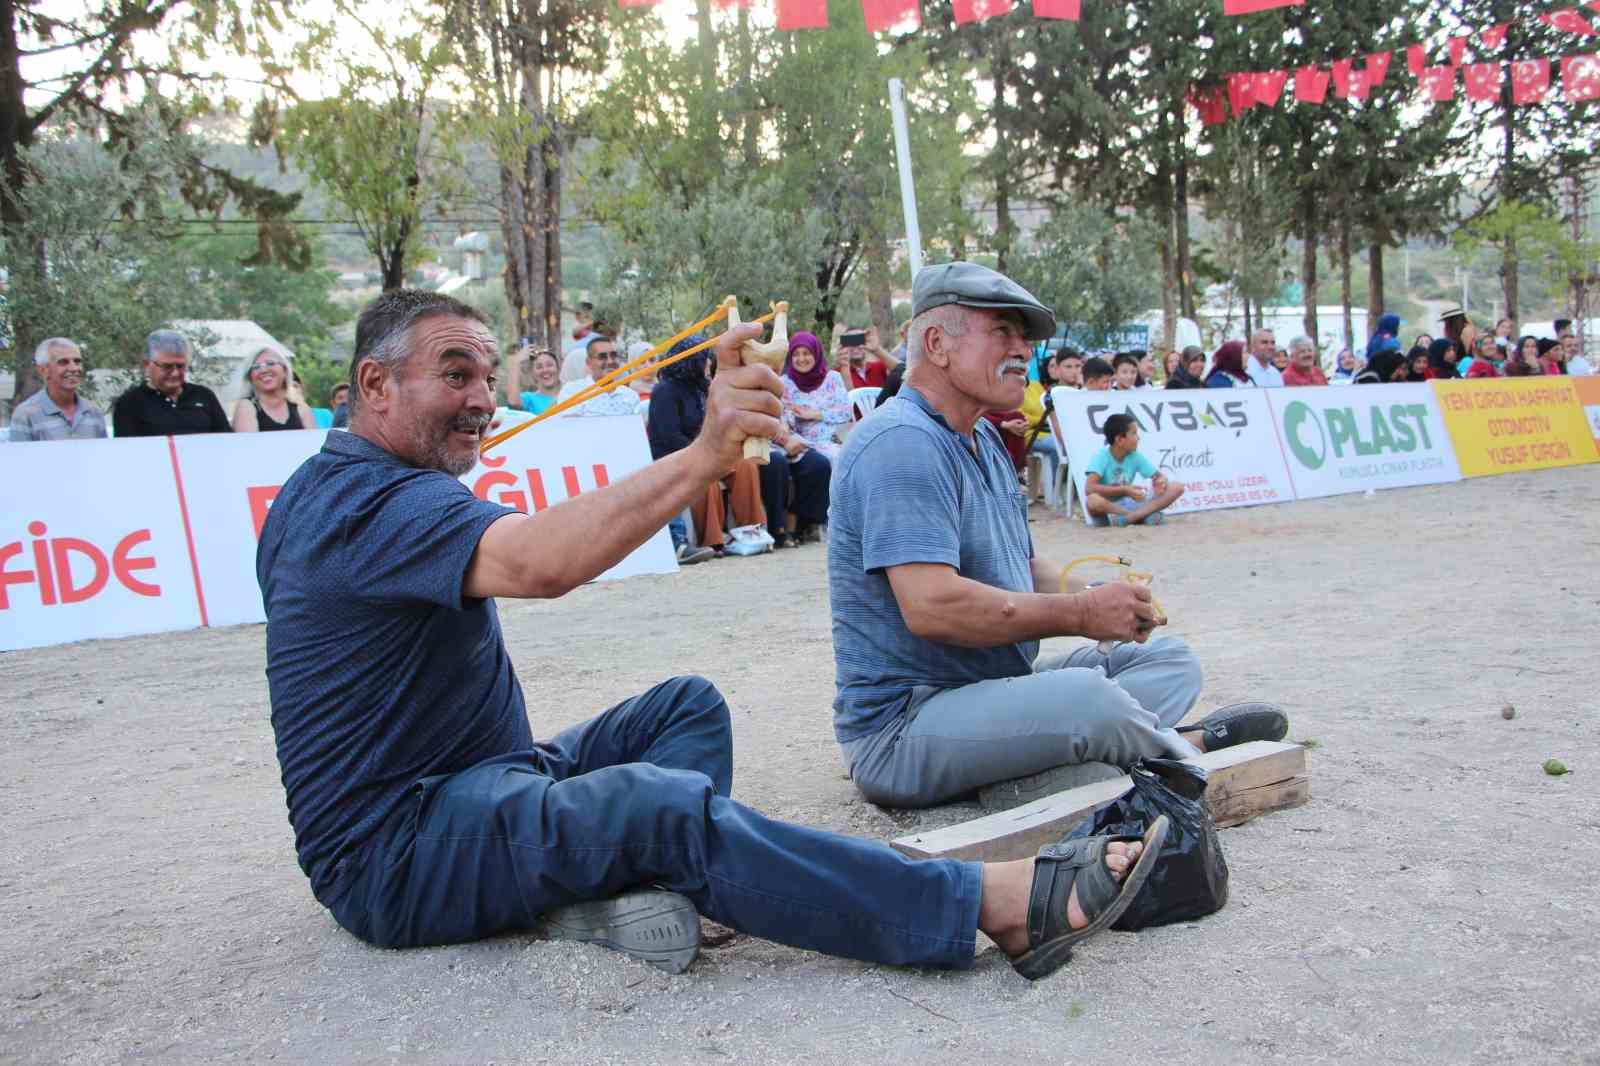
772, 353
1128, 574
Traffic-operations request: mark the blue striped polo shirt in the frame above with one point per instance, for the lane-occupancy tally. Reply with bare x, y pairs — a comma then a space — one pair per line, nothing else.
910, 489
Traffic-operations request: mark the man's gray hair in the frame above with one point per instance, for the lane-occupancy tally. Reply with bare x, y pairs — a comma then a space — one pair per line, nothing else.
1302, 342
952, 318
165, 340
383, 332
41, 354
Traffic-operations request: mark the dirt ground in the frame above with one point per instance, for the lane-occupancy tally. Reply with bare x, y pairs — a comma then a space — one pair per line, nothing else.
1433, 903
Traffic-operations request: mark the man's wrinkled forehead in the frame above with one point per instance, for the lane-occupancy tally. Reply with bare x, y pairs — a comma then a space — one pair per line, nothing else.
442, 337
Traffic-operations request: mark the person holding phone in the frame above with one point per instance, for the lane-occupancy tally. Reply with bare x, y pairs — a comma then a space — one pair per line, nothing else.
861, 358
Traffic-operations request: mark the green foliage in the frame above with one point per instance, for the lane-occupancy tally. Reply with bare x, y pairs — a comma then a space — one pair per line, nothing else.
1098, 271
295, 306
1534, 236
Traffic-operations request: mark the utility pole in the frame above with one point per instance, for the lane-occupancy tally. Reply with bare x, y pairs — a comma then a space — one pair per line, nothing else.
908, 192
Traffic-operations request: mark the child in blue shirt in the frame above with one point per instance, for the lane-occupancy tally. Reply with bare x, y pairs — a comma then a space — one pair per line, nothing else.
1113, 498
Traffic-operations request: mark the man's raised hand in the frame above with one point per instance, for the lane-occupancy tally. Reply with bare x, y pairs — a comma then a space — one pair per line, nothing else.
1118, 610
744, 401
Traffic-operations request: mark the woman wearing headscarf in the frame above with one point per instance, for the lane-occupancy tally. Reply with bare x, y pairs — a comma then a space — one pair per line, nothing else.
1443, 354
816, 401
677, 410
1345, 368
1550, 360
1385, 367
1186, 370
1227, 367
1523, 360
1388, 329
1417, 364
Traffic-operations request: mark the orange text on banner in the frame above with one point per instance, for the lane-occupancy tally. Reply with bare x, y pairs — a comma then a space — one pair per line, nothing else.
1516, 424
1589, 396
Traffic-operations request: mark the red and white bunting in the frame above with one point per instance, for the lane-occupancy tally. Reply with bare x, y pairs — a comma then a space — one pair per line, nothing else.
1341, 69
1250, 7
1580, 77
1417, 60
1458, 49
1377, 68
969, 11
1570, 20
1269, 87
1530, 78
1059, 9
1212, 103
1438, 83
1482, 81
1311, 85
1241, 92
1495, 36
802, 14
884, 15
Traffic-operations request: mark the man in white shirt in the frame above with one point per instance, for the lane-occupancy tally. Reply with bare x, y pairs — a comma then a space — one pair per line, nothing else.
1263, 346
1577, 365
601, 359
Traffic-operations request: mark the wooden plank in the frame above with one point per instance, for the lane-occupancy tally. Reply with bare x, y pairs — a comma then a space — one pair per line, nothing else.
1242, 779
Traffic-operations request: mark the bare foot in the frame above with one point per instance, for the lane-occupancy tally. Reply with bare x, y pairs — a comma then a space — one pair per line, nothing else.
1003, 910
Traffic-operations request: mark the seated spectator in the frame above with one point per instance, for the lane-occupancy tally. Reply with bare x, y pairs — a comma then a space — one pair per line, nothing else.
1035, 410
1069, 368
1417, 364
1097, 375
1442, 358
1190, 365
1484, 362
166, 404
1304, 368
860, 359
677, 410
1505, 336
1386, 367
1523, 360
544, 369
1227, 367
266, 406
1345, 368
603, 359
576, 364
56, 411
1550, 356
644, 383
1113, 497
339, 400
816, 401
1572, 351
891, 385
1125, 370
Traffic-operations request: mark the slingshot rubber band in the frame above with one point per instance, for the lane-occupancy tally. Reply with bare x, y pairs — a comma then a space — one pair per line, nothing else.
1130, 575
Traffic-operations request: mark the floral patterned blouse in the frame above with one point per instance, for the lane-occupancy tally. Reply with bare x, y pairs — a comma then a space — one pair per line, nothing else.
831, 399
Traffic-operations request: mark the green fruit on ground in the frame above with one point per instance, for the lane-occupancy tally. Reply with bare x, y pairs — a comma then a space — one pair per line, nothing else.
1555, 767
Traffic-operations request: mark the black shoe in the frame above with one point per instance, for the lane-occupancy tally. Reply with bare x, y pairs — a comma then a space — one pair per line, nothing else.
652, 925
1240, 723
688, 554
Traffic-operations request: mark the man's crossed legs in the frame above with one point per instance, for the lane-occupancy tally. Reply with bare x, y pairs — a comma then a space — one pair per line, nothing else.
638, 797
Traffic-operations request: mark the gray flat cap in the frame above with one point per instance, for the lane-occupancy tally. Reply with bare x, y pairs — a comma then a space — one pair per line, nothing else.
971, 285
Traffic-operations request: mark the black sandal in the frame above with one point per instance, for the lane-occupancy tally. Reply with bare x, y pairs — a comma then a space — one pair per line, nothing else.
1079, 862
1239, 723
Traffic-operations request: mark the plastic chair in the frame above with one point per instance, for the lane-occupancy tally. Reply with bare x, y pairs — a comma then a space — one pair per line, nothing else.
864, 400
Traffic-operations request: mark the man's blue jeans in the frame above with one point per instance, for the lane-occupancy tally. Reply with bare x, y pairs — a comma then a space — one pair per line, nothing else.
639, 796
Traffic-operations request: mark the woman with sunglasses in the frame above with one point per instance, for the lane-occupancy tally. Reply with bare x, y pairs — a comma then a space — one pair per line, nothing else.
268, 404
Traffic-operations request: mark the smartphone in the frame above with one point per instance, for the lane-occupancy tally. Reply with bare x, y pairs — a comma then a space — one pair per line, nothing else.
853, 339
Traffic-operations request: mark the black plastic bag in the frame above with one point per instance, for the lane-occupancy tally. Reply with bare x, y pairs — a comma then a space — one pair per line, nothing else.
1190, 878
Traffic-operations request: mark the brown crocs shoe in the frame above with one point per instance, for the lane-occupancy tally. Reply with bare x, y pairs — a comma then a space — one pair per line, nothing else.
1079, 862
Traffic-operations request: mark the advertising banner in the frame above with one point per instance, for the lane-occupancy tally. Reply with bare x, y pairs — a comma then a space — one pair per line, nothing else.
1502, 425
1221, 443
157, 533
92, 542
1343, 439
1589, 395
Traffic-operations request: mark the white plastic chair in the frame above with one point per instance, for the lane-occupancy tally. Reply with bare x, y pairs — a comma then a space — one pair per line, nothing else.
863, 400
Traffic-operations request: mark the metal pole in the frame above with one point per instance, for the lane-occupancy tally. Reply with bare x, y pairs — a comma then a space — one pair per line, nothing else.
908, 193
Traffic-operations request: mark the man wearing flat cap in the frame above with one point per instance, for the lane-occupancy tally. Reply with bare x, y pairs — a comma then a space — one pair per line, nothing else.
939, 601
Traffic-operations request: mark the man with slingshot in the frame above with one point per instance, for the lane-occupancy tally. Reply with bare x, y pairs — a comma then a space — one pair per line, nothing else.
425, 812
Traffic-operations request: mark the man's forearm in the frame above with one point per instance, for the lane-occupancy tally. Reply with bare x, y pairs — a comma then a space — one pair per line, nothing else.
970, 614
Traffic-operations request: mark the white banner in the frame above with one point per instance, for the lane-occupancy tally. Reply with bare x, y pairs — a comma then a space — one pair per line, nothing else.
1349, 439
156, 533
92, 542
1219, 442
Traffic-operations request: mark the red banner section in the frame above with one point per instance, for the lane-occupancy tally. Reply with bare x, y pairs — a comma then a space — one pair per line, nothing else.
802, 14
1057, 9
967, 11
1251, 7
884, 15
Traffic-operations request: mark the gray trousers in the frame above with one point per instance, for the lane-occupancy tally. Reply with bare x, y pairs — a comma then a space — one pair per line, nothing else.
1074, 708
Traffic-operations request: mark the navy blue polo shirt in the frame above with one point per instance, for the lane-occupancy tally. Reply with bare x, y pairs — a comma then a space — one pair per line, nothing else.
910, 489
380, 672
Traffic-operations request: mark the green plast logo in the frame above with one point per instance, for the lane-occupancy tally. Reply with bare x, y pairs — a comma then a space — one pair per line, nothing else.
1314, 437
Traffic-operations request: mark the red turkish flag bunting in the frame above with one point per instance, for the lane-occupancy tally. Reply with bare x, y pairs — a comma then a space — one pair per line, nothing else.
1059, 9
1570, 20
1241, 92
1341, 77
1495, 36
1439, 83
802, 14
637, 3
1417, 59
1377, 68
1250, 7
1458, 49
1311, 84
1529, 80
1483, 80
1580, 77
1269, 87
885, 15
1212, 103
978, 10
